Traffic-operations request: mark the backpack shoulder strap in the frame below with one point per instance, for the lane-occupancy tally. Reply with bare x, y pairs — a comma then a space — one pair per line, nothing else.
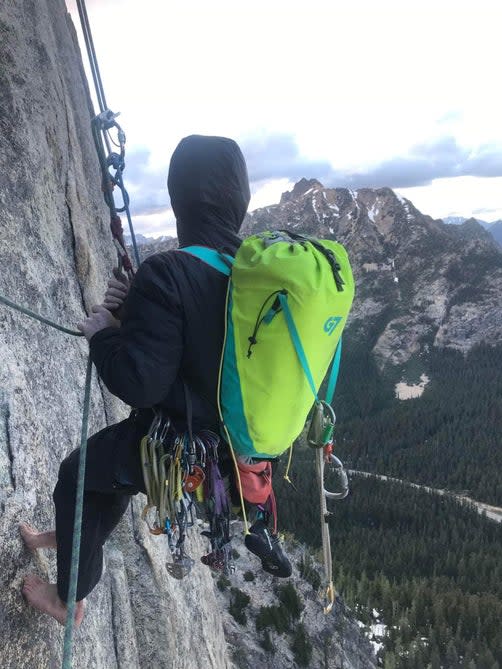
333, 377
221, 262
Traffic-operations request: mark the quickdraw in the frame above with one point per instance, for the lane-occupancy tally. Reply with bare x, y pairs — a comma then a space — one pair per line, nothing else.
175, 470
102, 125
161, 457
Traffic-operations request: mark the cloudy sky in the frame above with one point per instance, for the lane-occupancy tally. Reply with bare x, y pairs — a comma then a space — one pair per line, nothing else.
399, 93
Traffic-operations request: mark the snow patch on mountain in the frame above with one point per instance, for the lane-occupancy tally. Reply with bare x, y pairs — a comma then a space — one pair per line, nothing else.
408, 391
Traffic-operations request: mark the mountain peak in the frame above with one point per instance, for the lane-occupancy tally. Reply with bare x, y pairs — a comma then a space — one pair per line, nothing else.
300, 189
472, 229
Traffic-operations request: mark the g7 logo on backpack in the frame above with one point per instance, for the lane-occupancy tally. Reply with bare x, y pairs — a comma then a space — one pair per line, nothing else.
331, 324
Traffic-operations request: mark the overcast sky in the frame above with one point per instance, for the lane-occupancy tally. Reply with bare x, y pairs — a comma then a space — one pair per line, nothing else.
399, 93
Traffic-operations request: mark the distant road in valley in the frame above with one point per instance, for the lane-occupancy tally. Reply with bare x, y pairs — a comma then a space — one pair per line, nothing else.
492, 512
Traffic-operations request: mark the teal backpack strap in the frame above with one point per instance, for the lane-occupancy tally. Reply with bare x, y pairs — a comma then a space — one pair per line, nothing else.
297, 343
221, 262
333, 377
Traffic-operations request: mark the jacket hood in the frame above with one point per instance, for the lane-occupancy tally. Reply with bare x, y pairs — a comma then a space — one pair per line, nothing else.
209, 190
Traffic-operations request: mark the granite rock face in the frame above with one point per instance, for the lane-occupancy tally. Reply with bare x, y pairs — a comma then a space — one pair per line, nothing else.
56, 255
336, 640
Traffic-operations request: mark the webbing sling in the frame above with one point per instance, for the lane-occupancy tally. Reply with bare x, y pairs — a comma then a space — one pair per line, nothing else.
302, 358
221, 262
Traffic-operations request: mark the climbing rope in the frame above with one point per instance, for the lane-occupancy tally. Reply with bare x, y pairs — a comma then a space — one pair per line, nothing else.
77, 527
77, 524
91, 52
41, 319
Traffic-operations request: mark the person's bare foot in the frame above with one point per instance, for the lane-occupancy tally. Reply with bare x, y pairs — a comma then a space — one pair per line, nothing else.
44, 597
34, 539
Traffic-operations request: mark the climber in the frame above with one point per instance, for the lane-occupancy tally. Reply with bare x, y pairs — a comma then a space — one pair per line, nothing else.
170, 334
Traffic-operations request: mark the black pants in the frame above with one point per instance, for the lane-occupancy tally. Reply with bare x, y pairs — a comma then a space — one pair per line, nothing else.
113, 475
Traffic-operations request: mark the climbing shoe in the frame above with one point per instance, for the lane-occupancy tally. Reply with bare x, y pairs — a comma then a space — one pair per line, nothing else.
265, 545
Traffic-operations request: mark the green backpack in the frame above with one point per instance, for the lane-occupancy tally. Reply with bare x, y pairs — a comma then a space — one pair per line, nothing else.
287, 303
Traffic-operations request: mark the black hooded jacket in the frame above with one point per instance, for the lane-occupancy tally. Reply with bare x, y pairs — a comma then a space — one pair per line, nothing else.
173, 322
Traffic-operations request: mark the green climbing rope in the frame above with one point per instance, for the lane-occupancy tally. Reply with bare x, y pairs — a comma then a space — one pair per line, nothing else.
77, 526
37, 317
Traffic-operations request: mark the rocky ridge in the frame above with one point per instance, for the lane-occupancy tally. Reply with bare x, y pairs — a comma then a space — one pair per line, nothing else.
493, 227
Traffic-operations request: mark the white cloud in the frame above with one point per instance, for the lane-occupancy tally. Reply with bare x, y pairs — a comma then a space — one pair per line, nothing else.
269, 192
458, 197
155, 225
356, 82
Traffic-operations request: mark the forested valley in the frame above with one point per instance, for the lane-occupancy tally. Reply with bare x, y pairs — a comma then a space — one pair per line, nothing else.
448, 438
428, 566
